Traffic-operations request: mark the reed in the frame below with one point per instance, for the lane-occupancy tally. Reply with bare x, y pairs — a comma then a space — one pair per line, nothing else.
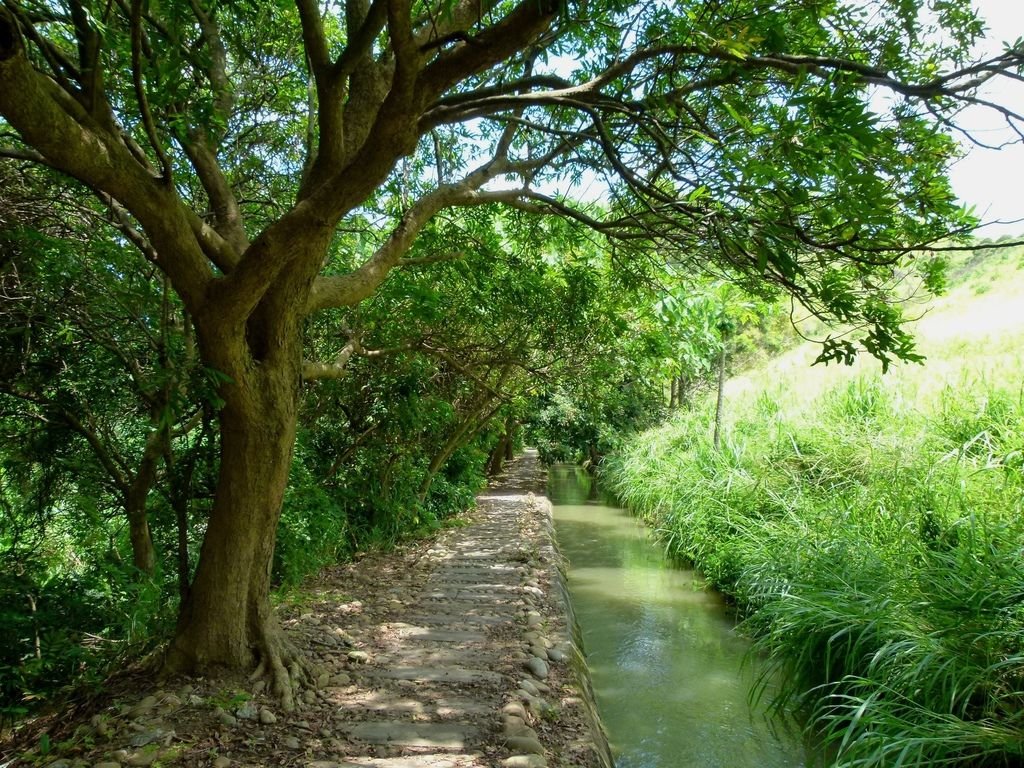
872, 539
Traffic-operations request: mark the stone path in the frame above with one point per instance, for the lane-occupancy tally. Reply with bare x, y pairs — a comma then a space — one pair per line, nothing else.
451, 653
455, 653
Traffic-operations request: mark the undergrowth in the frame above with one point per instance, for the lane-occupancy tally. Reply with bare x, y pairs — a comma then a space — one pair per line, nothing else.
873, 540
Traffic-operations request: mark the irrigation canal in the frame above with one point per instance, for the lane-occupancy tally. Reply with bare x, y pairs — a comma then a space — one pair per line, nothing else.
670, 673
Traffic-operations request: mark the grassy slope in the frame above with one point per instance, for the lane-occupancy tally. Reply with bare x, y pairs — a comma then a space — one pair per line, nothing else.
871, 528
975, 330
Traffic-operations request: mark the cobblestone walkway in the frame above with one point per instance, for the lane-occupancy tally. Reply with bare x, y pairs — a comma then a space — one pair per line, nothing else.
455, 653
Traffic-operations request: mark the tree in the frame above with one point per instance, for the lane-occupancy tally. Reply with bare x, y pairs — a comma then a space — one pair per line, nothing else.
230, 146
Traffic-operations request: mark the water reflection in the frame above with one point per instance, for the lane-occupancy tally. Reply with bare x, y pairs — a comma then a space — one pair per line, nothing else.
670, 673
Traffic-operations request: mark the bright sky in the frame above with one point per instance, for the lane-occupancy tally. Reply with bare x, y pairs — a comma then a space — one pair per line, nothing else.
991, 180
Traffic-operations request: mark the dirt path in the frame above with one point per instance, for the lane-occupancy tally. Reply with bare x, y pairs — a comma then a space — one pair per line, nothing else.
451, 653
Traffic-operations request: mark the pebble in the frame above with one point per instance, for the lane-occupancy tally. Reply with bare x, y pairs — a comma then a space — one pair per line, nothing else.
267, 717
222, 762
143, 707
524, 744
514, 709
101, 725
524, 761
538, 667
225, 718
342, 636
515, 727
541, 707
556, 655
529, 686
143, 757
142, 738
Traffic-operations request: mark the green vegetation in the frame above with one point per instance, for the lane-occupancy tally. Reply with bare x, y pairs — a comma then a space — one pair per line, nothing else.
283, 280
869, 528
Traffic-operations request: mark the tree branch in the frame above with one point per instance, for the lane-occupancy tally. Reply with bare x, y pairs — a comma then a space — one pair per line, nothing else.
60, 129
313, 38
140, 92
347, 290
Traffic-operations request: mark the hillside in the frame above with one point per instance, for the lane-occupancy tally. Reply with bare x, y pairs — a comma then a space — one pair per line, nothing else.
974, 330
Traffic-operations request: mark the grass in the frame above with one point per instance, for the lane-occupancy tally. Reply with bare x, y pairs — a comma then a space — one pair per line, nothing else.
871, 531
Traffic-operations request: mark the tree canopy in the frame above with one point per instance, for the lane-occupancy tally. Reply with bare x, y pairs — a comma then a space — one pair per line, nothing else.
276, 162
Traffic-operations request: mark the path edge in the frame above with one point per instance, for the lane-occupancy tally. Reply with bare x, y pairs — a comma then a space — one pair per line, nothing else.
558, 566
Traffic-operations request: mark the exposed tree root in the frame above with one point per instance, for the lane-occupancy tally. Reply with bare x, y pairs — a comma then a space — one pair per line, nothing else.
285, 666
279, 662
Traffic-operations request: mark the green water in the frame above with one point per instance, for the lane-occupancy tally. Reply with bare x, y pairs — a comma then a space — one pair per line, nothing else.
670, 673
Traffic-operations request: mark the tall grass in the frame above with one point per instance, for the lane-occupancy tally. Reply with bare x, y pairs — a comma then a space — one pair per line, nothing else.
873, 538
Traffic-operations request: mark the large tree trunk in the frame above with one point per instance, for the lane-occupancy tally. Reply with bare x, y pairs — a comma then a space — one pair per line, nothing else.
143, 553
227, 621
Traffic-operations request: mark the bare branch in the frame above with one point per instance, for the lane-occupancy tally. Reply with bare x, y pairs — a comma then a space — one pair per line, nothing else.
217, 71
515, 32
313, 37
349, 289
23, 154
227, 216
362, 32
140, 92
338, 368
335, 369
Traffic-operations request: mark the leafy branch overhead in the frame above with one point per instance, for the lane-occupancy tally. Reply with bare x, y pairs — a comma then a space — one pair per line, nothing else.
734, 136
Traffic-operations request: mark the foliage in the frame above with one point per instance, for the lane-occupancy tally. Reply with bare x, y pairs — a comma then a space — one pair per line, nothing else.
871, 538
353, 237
